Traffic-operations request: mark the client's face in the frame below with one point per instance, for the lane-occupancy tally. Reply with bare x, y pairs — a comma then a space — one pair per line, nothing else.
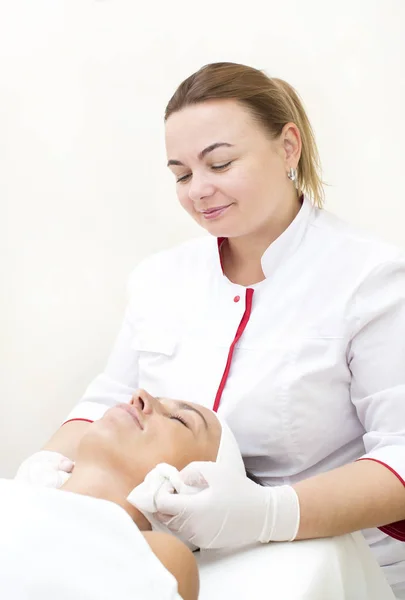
133, 438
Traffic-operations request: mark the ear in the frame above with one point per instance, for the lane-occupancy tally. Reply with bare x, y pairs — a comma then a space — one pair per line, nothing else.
292, 145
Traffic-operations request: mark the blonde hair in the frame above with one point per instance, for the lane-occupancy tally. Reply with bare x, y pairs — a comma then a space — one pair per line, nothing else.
273, 102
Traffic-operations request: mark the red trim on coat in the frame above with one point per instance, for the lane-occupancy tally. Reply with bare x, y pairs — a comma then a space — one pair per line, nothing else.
240, 330
394, 530
78, 419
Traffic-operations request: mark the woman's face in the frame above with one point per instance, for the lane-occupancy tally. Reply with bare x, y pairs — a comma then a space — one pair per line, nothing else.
223, 159
133, 438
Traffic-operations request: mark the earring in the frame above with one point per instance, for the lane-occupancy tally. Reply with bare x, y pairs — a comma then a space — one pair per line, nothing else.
292, 174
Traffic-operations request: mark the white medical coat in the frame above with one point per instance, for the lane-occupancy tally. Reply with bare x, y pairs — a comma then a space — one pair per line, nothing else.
317, 376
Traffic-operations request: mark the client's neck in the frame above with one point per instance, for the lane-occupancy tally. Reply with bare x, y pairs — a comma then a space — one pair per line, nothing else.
100, 482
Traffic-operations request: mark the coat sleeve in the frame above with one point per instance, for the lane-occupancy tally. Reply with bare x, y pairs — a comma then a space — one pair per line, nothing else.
119, 380
377, 363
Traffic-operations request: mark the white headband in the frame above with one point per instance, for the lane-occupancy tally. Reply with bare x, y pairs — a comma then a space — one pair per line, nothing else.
228, 451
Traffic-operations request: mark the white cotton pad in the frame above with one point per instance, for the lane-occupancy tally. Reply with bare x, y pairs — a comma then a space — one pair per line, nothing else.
143, 496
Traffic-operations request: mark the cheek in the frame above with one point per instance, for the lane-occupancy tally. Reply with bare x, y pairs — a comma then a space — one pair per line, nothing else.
172, 446
240, 183
184, 199
240, 188
102, 439
251, 188
179, 447
175, 446
272, 172
111, 448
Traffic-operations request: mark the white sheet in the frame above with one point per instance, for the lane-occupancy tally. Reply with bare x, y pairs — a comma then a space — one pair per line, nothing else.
58, 545
341, 568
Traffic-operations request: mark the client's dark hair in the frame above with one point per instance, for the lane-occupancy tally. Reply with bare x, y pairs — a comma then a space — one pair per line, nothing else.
253, 478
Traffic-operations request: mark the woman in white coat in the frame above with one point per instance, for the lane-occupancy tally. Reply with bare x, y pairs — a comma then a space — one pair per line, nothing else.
285, 320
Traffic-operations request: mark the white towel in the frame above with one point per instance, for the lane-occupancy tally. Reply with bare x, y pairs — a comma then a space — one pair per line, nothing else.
57, 545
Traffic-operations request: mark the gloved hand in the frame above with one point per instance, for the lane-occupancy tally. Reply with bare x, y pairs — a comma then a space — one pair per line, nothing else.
143, 495
229, 511
163, 475
46, 469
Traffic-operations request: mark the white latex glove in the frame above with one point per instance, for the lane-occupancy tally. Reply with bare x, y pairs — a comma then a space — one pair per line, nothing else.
163, 475
143, 496
46, 469
229, 511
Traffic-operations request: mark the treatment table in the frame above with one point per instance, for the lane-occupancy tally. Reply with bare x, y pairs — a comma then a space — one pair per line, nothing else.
60, 545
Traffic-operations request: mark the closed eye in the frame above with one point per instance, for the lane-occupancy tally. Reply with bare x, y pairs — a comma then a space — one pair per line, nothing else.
219, 167
178, 418
183, 179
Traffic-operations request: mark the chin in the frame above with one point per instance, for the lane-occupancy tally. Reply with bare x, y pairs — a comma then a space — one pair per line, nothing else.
225, 232
220, 228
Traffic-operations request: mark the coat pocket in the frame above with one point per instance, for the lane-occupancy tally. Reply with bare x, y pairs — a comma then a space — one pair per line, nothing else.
155, 341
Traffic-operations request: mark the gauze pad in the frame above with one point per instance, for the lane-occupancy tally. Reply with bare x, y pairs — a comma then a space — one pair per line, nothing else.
144, 495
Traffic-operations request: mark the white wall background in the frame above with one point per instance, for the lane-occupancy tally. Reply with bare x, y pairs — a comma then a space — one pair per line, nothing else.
84, 192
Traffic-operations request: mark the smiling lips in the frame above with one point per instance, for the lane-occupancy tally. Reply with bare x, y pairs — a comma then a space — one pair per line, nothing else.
131, 410
213, 213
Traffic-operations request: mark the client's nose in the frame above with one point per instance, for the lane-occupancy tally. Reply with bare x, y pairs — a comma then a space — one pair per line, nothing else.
143, 401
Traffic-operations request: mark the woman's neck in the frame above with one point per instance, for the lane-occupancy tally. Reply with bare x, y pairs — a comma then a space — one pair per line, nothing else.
99, 482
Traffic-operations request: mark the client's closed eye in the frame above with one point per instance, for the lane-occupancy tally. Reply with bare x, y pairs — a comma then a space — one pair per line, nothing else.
179, 418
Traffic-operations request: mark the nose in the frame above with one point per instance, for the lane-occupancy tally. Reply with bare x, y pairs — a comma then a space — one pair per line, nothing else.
200, 187
144, 402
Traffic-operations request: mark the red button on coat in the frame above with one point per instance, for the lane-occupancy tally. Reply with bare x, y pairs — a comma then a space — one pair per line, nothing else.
236, 299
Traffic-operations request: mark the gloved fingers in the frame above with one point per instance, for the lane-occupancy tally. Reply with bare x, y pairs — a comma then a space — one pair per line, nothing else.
44, 468
65, 464
199, 474
54, 459
154, 480
62, 478
161, 470
172, 504
179, 525
45, 478
143, 495
170, 521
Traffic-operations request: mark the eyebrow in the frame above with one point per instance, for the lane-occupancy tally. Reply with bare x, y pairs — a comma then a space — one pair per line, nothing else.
185, 406
203, 153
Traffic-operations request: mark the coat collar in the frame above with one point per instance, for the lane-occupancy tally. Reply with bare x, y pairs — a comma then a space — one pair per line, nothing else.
287, 243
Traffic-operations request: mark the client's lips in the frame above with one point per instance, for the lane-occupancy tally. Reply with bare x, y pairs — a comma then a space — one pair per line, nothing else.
131, 410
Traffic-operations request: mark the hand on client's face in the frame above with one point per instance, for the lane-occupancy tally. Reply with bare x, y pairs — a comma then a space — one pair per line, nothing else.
131, 439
